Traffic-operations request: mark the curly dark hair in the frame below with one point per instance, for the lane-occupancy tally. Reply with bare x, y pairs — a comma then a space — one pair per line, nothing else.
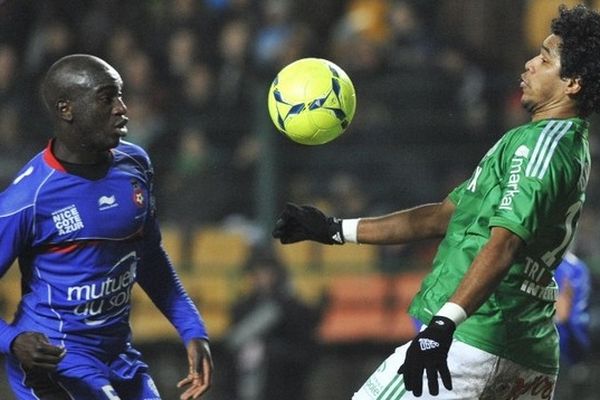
579, 29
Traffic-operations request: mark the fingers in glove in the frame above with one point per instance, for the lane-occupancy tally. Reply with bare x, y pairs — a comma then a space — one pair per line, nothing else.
281, 227
292, 238
292, 232
291, 210
413, 378
445, 374
416, 381
403, 371
432, 381
287, 223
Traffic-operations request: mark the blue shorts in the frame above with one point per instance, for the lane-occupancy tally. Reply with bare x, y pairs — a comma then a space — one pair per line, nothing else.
82, 375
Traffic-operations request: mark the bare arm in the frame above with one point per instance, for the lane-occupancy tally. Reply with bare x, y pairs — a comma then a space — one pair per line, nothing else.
481, 279
428, 221
487, 270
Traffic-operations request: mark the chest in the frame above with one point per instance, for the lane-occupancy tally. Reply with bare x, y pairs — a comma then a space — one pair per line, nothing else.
72, 208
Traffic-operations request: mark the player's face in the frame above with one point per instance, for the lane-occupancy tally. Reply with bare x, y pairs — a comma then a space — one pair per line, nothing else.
542, 86
99, 114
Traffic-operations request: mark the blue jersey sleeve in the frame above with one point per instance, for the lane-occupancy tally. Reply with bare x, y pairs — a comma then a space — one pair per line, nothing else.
159, 280
574, 333
16, 226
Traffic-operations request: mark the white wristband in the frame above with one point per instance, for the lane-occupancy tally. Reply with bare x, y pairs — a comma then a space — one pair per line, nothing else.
350, 230
453, 311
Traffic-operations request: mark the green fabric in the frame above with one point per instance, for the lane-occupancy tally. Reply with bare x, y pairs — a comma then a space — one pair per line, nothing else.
531, 182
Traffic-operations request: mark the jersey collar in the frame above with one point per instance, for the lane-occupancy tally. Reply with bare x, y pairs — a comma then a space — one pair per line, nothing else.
50, 159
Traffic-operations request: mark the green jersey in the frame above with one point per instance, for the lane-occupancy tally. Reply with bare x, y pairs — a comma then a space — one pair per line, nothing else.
531, 182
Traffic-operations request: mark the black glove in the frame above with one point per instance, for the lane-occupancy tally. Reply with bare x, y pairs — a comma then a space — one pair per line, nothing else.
429, 351
297, 223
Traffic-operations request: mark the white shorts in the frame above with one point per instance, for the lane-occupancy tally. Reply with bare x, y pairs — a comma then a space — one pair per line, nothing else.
475, 375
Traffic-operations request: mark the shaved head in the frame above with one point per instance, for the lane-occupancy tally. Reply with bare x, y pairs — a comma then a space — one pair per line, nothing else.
84, 96
71, 75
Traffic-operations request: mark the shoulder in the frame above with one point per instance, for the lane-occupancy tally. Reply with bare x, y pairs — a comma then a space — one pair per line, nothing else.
134, 153
548, 145
26, 186
544, 132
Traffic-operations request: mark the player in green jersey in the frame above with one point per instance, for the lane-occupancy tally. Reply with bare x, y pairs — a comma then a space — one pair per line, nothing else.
489, 299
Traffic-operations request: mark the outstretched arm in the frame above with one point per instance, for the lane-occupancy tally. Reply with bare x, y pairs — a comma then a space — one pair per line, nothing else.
297, 223
427, 221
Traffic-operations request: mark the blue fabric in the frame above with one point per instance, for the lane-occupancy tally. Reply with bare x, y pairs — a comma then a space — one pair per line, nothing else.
82, 374
574, 333
82, 245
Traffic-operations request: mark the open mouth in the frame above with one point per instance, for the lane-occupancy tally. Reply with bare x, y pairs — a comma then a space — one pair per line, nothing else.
121, 127
121, 124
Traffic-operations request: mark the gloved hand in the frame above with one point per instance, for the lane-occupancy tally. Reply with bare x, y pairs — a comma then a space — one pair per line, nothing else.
429, 351
297, 223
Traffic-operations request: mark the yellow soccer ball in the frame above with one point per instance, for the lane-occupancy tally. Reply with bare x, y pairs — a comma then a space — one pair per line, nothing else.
312, 101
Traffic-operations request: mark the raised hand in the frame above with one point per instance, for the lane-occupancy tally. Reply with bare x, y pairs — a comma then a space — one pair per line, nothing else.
297, 223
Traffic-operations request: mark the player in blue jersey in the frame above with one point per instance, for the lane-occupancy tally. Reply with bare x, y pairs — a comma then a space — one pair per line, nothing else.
80, 219
572, 309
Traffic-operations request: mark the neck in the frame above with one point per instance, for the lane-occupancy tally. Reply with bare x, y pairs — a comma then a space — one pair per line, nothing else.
554, 111
551, 115
78, 155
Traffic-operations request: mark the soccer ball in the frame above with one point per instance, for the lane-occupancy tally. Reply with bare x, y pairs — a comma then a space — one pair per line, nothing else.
312, 101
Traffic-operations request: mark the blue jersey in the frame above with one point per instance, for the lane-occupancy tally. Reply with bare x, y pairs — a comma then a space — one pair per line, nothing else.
82, 245
574, 335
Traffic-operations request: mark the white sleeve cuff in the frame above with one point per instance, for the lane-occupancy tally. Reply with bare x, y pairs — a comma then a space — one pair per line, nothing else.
453, 311
350, 230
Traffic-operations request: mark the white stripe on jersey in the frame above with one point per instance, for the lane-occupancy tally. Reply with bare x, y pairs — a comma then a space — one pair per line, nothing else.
552, 148
538, 146
545, 146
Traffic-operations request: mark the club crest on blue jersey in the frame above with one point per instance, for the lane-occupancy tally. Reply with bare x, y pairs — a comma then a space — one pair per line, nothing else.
138, 194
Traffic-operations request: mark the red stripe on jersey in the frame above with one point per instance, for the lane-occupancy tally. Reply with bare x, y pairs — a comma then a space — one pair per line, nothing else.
50, 159
70, 246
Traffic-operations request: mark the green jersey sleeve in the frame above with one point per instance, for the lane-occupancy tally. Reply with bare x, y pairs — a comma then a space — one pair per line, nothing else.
456, 193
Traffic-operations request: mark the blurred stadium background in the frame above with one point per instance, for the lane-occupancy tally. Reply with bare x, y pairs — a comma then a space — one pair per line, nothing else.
436, 81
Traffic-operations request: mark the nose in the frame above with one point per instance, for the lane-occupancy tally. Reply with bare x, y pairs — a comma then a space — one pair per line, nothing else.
120, 108
528, 64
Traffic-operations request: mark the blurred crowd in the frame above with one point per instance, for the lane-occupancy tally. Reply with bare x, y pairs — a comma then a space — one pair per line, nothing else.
436, 85
436, 82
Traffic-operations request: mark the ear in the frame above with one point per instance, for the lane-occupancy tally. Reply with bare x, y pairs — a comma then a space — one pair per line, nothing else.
64, 110
573, 86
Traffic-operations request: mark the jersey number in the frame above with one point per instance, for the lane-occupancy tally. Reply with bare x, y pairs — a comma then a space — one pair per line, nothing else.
570, 223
